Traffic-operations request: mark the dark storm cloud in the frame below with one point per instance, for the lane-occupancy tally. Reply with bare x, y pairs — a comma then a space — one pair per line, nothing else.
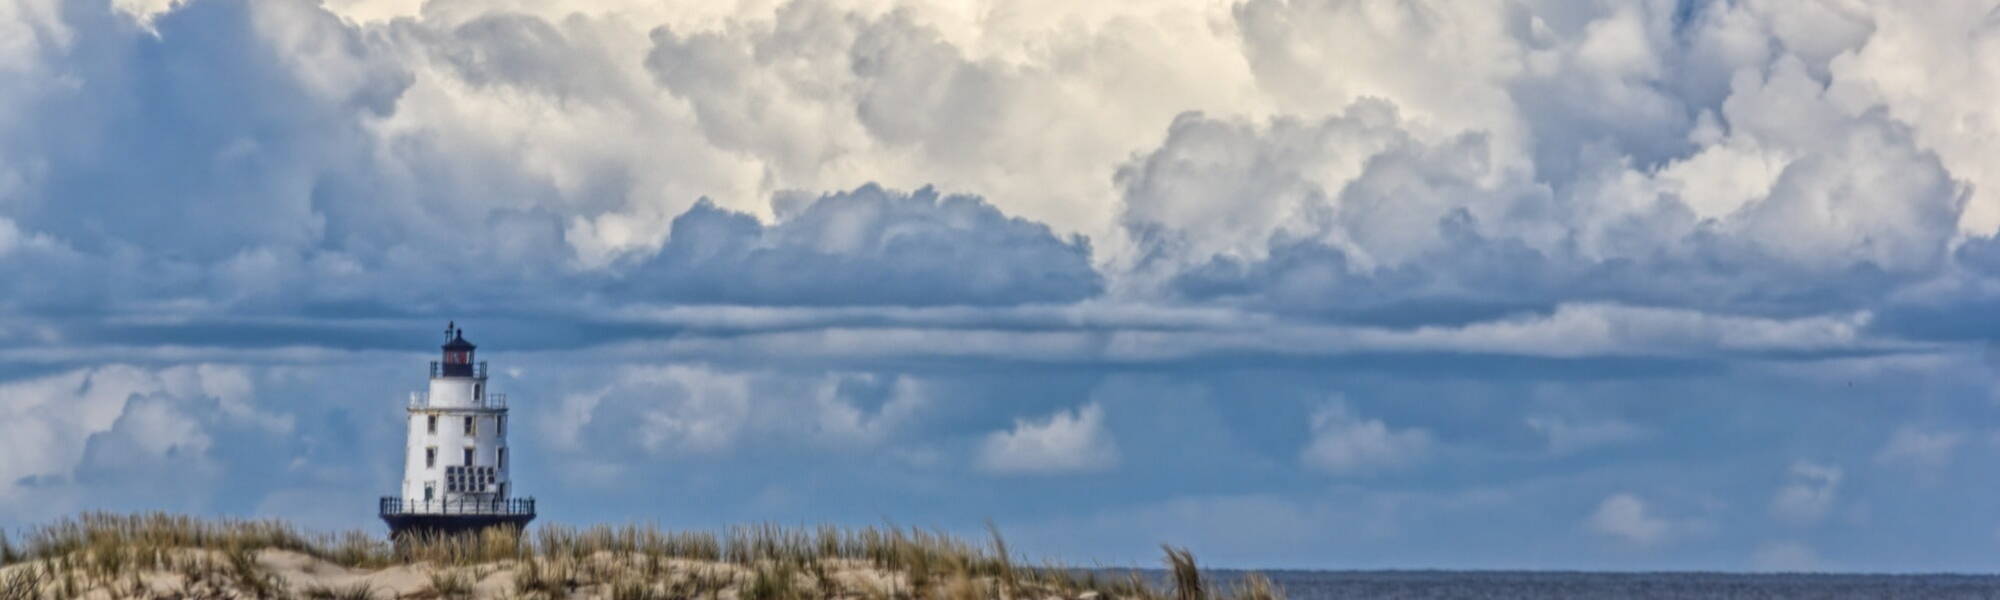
867, 246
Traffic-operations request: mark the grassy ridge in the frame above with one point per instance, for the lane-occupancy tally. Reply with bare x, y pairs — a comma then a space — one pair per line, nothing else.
172, 556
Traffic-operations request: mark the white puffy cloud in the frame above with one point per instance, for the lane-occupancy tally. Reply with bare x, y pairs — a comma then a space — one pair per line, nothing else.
1396, 163
121, 427
48, 419
1364, 210
1068, 441
497, 153
1858, 190
1343, 442
838, 418
1627, 517
1955, 44
698, 411
1913, 446
679, 410
1809, 493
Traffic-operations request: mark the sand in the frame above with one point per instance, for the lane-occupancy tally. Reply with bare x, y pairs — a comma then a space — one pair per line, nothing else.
288, 574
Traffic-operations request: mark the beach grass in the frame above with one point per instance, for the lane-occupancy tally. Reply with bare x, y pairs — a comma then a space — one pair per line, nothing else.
157, 555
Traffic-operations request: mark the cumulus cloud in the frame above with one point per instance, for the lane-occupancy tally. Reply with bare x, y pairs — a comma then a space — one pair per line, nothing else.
1343, 442
1626, 517
126, 428
1357, 217
868, 246
689, 409
375, 177
1808, 494
1068, 441
1745, 158
841, 413
1913, 446
159, 446
1392, 187
1376, 212
699, 410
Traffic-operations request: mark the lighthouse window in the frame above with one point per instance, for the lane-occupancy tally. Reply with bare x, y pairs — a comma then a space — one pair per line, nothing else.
431, 457
468, 456
465, 480
500, 426
471, 427
433, 426
502, 463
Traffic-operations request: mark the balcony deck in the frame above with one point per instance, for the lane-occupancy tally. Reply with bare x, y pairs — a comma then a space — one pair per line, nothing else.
496, 400
394, 506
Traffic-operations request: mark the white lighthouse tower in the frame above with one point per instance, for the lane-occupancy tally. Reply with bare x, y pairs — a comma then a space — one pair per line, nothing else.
455, 462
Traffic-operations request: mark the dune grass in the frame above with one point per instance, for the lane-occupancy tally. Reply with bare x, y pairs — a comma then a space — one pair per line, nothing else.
172, 556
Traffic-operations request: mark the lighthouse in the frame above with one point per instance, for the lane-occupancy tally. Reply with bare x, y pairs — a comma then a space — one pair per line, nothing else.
455, 462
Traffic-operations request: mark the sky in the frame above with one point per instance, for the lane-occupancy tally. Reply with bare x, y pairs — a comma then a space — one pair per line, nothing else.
1542, 284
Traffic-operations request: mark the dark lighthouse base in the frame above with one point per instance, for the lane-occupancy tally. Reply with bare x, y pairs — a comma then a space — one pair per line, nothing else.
436, 519
401, 526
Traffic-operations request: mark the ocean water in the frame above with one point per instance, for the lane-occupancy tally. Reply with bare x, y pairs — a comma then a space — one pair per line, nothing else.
1499, 585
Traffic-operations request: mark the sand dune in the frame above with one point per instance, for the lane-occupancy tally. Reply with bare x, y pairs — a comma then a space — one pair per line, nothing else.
172, 557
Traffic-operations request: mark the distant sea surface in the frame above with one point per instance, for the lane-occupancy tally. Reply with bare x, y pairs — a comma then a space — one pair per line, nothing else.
1498, 585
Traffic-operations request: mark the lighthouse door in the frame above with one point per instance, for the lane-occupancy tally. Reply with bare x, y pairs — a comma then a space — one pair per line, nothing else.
430, 490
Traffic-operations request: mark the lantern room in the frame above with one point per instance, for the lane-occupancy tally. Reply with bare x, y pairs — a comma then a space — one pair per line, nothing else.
457, 353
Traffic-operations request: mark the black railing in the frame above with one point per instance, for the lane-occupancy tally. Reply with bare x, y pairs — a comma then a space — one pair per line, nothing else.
477, 369
393, 505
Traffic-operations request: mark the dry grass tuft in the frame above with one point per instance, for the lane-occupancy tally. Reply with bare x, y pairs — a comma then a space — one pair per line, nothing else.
21, 584
1186, 576
357, 591
449, 584
1255, 586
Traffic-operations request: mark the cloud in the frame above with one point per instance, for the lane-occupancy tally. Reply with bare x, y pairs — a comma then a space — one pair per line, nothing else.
1912, 446
1626, 517
700, 410
1566, 436
1356, 217
839, 417
473, 156
1378, 213
126, 433
868, 246
159, 446
1068, 441
51, 419
1344, 443
1808, 494
379, 177
686, 219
